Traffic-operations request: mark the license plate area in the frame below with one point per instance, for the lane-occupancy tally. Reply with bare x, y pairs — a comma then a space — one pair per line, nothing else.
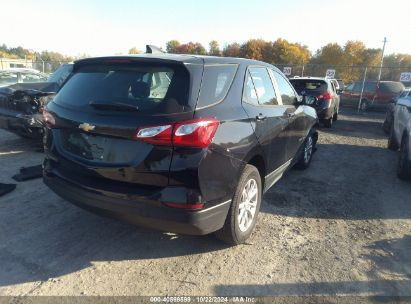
100, 148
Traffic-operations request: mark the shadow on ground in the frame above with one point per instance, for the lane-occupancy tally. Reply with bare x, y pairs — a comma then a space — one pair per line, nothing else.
359, 125
36, 248
343, 182
391, 256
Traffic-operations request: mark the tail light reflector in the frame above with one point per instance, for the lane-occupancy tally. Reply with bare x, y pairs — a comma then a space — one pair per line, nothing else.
158, 135
185, 206
193, 133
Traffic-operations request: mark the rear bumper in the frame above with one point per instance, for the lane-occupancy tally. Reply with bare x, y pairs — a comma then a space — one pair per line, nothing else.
324, 113
30, 125
148, 211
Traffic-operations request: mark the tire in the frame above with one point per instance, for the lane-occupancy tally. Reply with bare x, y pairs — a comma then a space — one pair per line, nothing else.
404, 164
329, 122
386, 126
392, 142
364, 105
234, 231
335, 117
307, 153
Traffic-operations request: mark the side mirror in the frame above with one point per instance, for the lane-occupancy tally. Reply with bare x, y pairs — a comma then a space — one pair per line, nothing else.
339, 91
309, 100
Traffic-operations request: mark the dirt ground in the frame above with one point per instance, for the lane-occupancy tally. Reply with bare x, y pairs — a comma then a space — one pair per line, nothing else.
342, 227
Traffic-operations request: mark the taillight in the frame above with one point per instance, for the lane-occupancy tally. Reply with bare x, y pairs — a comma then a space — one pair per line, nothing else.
158, 135
49, 119
195, 206
193, 133
325, 96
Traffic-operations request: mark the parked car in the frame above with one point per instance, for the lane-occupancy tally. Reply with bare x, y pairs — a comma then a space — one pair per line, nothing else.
376, 94
181, 143
327, 102
20, 75
389, 115
21, 103
339, 87
399, 137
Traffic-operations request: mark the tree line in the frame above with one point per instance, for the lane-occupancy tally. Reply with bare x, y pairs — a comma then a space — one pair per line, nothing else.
349, 59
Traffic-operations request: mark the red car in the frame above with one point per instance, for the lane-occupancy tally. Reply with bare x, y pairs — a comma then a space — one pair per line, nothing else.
375, 94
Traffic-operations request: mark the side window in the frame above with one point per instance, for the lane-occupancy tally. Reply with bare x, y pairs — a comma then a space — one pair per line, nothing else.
350, 87
263, 86
288, 95
370, 86
357, 87
250, 95
216, 82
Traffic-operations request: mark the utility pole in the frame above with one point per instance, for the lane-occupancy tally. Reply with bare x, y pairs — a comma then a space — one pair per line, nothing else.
382, 58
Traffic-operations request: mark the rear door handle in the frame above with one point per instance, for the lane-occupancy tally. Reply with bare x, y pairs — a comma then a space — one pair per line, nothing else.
260, 117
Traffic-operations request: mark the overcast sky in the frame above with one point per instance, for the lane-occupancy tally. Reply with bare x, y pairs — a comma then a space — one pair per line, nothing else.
108, 27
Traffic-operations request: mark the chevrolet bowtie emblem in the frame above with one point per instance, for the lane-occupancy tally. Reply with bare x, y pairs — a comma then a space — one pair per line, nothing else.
86, 127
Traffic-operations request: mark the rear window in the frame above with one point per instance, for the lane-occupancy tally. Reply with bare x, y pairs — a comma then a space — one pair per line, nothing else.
391, 87
154, 89
216, 82
308, 86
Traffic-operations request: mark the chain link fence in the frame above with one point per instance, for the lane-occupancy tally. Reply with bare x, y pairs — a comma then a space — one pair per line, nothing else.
46, 67
348, 74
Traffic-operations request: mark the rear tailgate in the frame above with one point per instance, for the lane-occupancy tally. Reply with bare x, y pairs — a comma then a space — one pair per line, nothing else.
96, 122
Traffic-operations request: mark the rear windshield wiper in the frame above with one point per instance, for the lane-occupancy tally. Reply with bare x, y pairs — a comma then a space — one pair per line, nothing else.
119, 106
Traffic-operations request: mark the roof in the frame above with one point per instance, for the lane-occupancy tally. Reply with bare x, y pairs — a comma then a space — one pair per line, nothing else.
183, 58
310, 78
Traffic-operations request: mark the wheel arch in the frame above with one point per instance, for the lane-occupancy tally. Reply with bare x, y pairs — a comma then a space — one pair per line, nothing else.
257, 161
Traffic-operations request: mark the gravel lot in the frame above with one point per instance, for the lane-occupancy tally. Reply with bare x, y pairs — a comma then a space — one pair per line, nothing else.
341, 227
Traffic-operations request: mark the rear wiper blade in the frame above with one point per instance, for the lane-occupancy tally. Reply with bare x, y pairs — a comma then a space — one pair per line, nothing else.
113, 106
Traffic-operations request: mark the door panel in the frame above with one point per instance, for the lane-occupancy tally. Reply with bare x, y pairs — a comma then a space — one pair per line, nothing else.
269, 121
296, 129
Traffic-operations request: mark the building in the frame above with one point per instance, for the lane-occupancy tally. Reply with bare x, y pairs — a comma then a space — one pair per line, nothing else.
7, 63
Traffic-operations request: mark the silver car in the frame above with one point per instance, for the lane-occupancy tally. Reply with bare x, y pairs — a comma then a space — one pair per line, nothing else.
400, 134
20, 75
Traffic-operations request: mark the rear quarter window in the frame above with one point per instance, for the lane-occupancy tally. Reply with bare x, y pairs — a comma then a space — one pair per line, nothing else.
391, 87
217, 80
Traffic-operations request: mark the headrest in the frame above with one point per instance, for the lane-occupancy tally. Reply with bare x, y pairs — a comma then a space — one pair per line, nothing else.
140, 89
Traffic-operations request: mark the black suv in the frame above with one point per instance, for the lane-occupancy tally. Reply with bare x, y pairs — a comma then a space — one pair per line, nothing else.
327, 101
181, 143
